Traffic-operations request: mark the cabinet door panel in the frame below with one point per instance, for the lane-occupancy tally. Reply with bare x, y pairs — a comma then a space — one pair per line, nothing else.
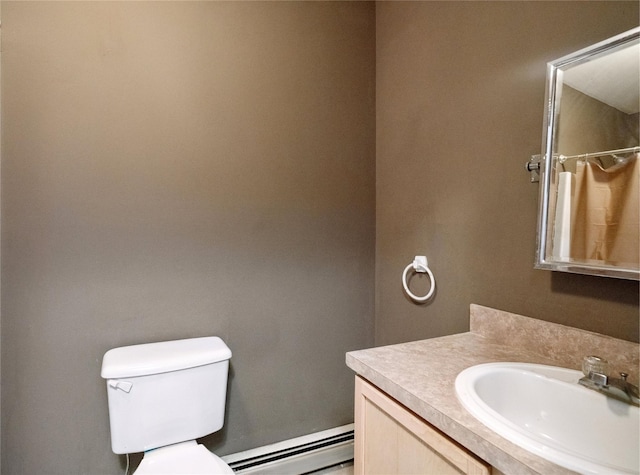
390, 439
381, 451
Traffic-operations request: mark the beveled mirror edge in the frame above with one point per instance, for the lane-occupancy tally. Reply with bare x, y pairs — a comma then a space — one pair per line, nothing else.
549, 125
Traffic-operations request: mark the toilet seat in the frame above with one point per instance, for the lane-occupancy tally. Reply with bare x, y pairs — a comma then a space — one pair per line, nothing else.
188, 458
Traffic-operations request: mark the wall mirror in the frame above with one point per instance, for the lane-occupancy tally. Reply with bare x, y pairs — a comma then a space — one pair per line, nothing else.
589, 220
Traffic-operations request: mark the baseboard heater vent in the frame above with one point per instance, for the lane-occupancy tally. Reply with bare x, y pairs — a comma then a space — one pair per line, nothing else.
297, 456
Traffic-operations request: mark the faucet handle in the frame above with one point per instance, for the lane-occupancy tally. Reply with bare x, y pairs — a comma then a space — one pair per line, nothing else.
594, 364
624, 376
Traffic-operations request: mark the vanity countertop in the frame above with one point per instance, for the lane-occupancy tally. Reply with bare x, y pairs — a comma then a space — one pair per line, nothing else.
421, 375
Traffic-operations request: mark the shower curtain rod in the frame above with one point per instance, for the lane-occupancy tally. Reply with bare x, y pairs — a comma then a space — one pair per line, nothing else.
584, 156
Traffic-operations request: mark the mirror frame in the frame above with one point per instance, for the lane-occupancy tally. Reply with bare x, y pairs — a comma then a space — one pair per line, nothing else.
552, 100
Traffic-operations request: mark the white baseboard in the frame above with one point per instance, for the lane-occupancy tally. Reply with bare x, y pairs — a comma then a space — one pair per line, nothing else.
296, 456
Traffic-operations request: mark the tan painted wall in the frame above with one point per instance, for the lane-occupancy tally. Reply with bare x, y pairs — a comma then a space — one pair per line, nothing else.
460, 97
586, 123
178, 169
0, 250
174, 169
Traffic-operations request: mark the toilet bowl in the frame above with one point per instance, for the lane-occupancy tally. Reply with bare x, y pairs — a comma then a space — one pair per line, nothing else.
163, 396
185, 458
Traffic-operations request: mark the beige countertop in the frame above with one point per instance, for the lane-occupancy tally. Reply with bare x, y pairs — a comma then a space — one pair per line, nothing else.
421, 375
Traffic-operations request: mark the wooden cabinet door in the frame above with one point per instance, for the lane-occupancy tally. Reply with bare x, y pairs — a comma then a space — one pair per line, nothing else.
392, 440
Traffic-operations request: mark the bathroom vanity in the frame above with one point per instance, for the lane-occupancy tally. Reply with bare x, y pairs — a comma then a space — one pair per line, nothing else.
393, 439
408, 418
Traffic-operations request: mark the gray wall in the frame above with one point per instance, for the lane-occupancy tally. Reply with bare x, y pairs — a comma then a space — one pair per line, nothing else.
178, 169
460, 97
586, 123
0, 253
174, 169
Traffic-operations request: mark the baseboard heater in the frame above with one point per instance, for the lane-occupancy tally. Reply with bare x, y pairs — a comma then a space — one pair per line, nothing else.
301, 455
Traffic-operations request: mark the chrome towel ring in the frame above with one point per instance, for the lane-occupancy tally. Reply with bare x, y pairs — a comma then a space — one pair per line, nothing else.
419, 265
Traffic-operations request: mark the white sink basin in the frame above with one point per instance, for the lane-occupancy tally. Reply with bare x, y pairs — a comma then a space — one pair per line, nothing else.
544, 410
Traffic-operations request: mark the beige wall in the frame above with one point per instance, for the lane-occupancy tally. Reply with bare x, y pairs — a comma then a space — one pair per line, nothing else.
460, 96
0, 248
586, 124
177, 169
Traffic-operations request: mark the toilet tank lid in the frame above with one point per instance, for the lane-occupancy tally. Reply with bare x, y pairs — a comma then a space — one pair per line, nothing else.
155, 358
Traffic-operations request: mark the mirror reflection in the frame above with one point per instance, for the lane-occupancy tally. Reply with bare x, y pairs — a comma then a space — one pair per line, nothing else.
590, 221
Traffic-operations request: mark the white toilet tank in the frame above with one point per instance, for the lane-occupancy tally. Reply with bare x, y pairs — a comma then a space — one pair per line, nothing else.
164, 393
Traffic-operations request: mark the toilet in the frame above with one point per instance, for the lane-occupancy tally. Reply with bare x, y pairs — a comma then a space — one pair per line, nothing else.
163, 396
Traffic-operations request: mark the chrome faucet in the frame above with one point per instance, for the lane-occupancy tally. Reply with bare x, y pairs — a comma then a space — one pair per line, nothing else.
595, 378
